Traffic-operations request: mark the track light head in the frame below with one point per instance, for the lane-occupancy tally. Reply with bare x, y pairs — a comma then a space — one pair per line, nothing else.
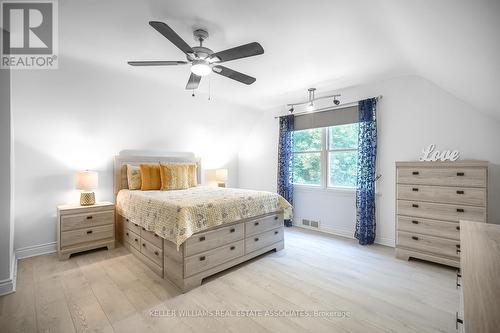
335, 100
291, 110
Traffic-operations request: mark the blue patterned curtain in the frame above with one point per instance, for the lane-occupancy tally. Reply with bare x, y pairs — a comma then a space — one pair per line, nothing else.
367, 157
285, 175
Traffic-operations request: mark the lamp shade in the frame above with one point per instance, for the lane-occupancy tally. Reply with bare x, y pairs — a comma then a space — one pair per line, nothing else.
221, 175
86, 180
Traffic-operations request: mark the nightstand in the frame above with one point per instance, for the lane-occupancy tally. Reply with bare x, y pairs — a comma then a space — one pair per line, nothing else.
81, 228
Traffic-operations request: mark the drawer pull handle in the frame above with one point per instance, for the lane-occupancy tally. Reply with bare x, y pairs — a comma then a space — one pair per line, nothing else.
256, 239
202, 238
460, 192
414, 205
156, 235
136, 240
458, 251
276, 232
458, 246
414, 222
127, 220
143, 229
143, 244
459, 321
256, 224
458, 227
460, 174
89, 217
232, 230
136, 225
460, 210
89, 231
415, 173
232, 248
414, 189
156, 253
275, 217
202, 258
126, 233
414, 237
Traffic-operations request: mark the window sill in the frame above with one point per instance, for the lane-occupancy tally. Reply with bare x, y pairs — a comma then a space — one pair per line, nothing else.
348, 191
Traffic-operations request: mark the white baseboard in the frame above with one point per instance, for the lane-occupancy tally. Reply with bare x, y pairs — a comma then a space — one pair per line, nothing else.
36, 250
347, 233
8, 286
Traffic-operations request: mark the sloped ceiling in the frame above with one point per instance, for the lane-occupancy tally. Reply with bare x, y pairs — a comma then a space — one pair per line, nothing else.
329, 44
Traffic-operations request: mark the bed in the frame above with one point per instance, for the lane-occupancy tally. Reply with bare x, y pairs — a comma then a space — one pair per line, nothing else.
188, 235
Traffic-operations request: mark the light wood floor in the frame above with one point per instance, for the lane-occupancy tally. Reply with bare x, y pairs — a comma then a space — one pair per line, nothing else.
111, 291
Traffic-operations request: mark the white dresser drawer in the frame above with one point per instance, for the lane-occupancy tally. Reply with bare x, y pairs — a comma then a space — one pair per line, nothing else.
132, 238
429, 244
440, 194
78, 236
264, 239
435, 228
263, 224
152, 238
452, 176
209, 240
132, 226
438, 211
212, 258
152, 252
71, 222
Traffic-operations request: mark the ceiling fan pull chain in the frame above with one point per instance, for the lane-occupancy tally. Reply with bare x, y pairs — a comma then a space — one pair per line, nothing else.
193, 93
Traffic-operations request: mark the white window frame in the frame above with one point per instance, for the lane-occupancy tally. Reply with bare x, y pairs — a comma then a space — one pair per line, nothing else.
324, 166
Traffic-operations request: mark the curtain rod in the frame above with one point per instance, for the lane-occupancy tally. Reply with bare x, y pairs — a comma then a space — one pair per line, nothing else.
330, 108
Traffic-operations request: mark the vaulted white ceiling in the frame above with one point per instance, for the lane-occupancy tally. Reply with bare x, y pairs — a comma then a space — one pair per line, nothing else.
329, 44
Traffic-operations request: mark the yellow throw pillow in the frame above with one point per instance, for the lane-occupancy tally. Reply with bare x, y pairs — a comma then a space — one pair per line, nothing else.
174, 176
192, 175
133, 177
150, 177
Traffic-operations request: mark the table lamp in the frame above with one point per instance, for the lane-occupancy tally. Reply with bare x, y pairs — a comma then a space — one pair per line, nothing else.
221, 177
86, 181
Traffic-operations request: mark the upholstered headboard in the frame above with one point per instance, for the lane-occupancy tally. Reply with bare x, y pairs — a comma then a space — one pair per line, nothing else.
138, 157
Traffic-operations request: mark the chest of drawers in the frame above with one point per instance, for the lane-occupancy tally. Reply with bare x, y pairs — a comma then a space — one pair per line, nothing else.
82, 228
431, 199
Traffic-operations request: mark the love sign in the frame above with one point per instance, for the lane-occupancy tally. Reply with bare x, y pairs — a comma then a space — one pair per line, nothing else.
432, 155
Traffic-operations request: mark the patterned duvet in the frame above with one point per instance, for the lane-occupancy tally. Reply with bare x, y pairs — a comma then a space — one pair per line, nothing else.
178, 214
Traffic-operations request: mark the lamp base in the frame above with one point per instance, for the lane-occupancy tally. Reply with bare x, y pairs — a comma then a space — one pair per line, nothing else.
87, 199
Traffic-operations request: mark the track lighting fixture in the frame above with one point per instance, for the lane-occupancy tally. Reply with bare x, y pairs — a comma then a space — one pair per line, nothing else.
310, 104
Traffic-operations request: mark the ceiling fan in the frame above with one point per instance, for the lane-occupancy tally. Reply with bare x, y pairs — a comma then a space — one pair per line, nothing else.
203, 60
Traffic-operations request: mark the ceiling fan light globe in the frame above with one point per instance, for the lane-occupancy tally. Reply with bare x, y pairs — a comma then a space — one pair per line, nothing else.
201, 68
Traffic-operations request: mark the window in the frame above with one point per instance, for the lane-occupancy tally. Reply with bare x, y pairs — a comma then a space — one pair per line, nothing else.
307, 150
326, 156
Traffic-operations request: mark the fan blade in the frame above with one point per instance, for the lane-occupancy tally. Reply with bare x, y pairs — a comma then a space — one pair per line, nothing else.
193, 82
232, 74
171, 35
156, 63
243, 51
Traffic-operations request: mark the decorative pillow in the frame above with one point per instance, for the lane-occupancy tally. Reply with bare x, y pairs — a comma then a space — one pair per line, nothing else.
150, 177
133, 177
192, 175
174, 176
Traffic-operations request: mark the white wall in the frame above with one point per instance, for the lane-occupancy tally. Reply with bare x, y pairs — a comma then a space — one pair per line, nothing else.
81, 115
412, 114
6, 185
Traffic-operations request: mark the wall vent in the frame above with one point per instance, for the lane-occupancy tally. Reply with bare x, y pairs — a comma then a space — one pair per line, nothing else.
306, 222
315, 224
